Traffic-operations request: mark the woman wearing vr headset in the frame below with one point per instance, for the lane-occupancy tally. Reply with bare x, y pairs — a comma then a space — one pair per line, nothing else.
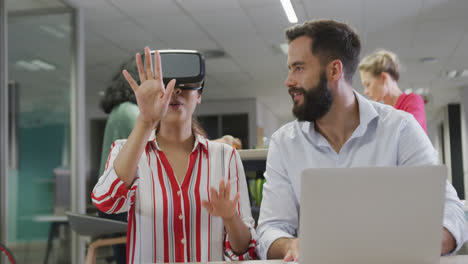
186, 197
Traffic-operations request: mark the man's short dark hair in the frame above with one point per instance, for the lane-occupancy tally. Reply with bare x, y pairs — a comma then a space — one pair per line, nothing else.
331, 40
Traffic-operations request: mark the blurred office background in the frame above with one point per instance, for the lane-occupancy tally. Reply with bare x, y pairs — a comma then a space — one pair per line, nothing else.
57, 57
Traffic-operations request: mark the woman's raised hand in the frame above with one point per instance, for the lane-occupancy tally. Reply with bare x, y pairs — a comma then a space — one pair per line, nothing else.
152, 98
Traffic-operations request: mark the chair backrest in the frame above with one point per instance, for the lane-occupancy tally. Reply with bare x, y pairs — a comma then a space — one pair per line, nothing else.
5, 251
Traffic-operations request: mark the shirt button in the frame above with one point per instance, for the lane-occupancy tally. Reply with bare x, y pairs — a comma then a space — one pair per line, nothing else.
182, 241
181, 217
178, 192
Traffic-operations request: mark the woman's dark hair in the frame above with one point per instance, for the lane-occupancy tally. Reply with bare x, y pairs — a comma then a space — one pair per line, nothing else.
196, 128
119, 90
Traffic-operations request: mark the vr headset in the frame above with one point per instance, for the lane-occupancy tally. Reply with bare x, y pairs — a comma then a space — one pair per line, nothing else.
186, 66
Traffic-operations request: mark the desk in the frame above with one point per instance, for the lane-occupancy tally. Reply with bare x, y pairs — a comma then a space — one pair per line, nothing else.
254, 159
91, 225
55, 222
253, 154
462, 259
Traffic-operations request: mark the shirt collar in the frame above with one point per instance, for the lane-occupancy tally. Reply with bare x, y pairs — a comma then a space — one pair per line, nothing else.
202, 141
199, 140
367, 114
308, 128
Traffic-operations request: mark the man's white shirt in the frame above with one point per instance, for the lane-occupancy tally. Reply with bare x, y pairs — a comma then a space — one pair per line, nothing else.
384, 137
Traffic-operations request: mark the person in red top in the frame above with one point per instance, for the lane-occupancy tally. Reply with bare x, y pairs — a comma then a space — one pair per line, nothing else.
379, 75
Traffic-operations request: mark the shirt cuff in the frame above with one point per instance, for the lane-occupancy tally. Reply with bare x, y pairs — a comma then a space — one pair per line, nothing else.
268, 238
250, 254
458, 235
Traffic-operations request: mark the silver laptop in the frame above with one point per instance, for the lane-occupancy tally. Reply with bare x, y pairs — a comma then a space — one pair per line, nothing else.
372, 215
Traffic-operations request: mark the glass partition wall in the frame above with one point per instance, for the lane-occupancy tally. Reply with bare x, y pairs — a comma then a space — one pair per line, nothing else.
40, 65
3, 128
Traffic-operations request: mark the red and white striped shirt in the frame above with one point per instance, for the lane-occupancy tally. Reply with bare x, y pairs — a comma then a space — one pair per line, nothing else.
166, 221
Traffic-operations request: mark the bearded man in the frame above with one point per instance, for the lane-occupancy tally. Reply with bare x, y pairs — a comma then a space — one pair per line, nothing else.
336, 127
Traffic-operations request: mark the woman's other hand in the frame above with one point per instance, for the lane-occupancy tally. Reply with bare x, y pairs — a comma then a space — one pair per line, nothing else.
220, 203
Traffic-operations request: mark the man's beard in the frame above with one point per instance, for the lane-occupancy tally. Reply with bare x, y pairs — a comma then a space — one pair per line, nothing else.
317, 101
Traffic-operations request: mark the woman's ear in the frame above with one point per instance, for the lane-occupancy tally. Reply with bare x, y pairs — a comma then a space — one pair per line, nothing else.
384, 77
199, 97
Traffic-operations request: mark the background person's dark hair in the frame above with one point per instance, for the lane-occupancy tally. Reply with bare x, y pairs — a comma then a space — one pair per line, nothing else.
331, 40
119, 91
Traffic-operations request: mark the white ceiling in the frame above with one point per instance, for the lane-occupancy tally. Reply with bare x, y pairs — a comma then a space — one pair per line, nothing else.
249, 31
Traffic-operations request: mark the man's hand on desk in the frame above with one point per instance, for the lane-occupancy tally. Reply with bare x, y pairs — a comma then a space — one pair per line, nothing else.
288, 248
293, 251
448, 242
285, 248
